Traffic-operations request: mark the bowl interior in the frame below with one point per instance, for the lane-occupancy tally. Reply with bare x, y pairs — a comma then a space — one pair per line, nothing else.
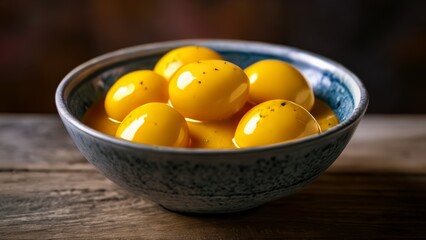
331, 82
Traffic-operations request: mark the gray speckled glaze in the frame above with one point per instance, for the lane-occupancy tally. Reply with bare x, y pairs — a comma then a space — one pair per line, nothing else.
203, 180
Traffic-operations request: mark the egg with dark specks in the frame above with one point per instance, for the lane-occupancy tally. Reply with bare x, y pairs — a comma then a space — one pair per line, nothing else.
274, 121
209, 90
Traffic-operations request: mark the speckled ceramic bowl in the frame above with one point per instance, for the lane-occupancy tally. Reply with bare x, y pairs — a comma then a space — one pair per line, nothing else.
203, 180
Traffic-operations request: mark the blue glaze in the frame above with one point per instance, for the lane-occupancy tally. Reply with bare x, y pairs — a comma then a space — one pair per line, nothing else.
211, 181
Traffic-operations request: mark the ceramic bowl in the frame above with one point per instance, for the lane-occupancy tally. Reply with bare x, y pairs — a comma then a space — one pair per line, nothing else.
206, 180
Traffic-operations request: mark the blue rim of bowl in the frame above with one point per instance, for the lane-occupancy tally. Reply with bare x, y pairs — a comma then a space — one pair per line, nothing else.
73, 78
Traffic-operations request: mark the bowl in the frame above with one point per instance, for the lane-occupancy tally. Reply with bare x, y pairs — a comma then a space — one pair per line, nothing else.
207, 180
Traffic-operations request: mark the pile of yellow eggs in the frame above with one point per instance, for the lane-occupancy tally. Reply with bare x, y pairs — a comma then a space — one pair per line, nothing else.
195, 98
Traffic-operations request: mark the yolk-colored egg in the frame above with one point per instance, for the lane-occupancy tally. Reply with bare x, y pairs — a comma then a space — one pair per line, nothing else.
324, 115
174, 59
274, 79
155, 124
134, 89
212, 135
209, 90
215, 134
274, 121
97, 119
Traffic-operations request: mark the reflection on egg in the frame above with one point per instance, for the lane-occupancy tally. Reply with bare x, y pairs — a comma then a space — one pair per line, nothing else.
134, 89
274, 79
274, 121
209, 90
156, 124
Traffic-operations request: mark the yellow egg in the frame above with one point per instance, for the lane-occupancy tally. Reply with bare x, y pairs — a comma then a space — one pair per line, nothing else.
274, 121
324, 115
174, 59
134, 89
212, 135
97, 119
155, 124
215, 134
209, 90
274, 79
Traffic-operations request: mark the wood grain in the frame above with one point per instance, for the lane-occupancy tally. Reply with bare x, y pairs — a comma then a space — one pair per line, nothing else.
37, 142
63, 205
375, 190
390, 143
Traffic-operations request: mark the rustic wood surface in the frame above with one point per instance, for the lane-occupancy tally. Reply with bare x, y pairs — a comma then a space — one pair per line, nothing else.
375, 190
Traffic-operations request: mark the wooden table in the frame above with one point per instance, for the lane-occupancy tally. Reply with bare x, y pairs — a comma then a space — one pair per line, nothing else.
376, 189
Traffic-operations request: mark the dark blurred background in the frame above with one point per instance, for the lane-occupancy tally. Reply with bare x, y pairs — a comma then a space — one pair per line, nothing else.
382, 41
